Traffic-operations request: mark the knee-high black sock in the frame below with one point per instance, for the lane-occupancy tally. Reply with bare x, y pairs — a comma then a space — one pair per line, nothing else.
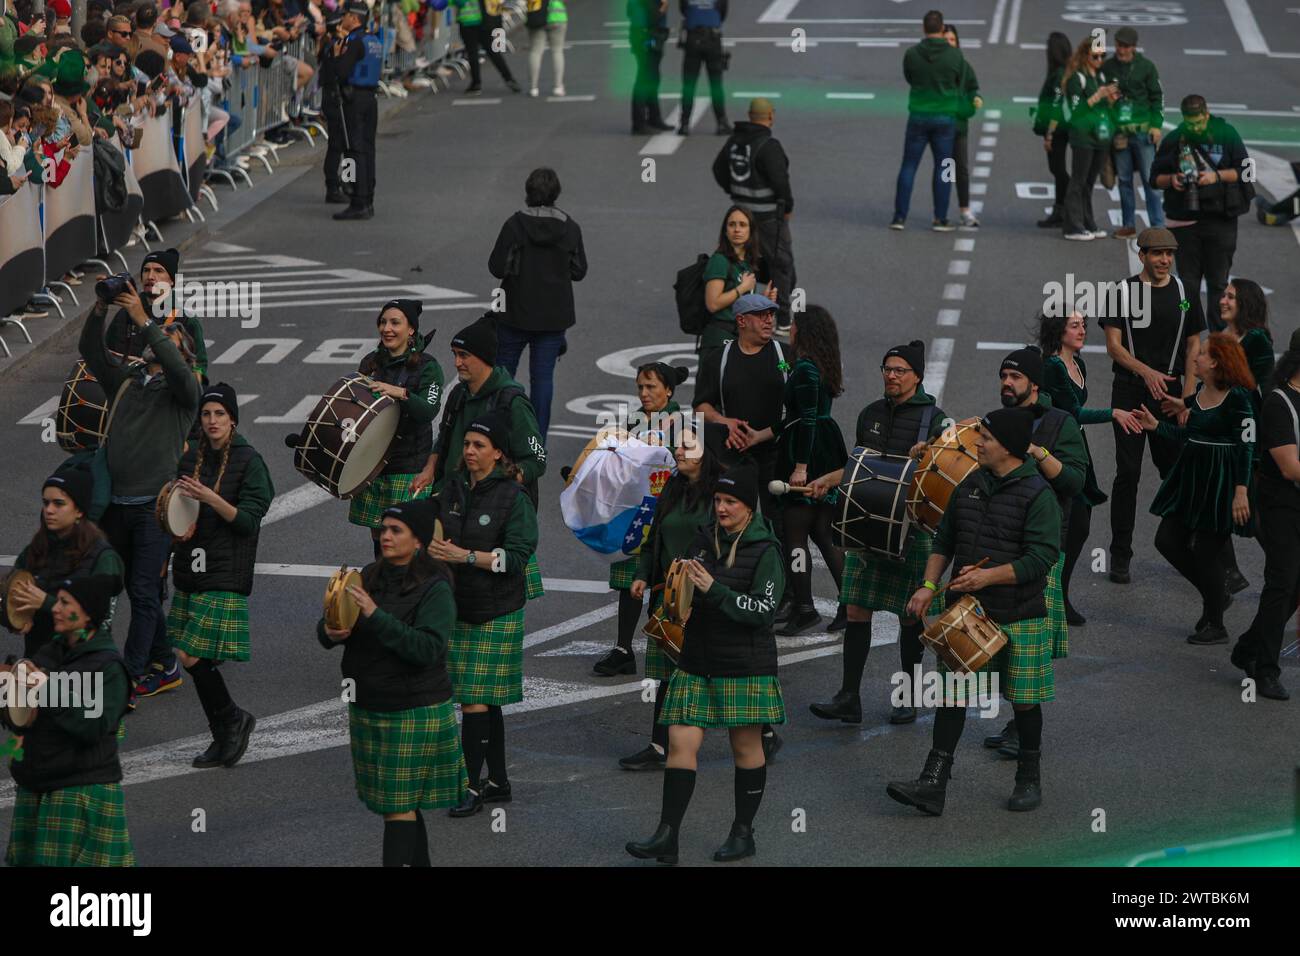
857, 645
949, 722
496, 749
910, 649
399, 842
749, 793
1030, 725
679, 784
629, 612
420, 852
474, 729
211, 686
659, 732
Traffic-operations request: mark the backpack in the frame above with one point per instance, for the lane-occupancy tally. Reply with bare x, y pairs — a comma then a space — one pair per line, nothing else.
537, 14
692, 316
456, 404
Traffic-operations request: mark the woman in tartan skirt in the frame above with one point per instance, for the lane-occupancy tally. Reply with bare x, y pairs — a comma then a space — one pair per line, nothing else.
727, 673
411, 377
491, 535
655, 384
685, 505
402, 723
213, 567
1006, 514
68, 810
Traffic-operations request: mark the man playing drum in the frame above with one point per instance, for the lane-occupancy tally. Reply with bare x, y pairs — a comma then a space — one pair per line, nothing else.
1004, 512
897, 425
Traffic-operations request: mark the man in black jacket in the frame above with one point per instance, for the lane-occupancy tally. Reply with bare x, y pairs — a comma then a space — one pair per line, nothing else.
538, 256
1205, 216
753, 169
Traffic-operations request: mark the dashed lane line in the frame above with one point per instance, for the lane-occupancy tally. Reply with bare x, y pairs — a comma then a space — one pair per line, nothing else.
936, 367
949, 316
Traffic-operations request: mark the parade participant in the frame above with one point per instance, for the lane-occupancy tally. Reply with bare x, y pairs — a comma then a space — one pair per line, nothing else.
154, 407
405, 753
1048, 117
67, 545
729, 274
213, 569
1257, 650
898, 425
727, 675
1065, 382
647, 34
1148, 358
753, 169
357, 61
1089, 95
1139, 119
809, 443
655, 385
401, 369
158, 274
1206, 490
702, 26
477, 26
491, 531
968, 103
332, 80
685, 505
1005, 511
68, 809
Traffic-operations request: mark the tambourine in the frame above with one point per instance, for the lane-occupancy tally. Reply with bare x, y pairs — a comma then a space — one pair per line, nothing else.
679, 590
341, 608
176, 513
27, 677
15, 620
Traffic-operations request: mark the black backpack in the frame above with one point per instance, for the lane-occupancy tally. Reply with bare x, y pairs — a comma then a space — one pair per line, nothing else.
692, 316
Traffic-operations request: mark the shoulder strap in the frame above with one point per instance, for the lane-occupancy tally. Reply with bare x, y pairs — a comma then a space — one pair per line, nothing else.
1182, 319
108, 422
722, 371
1290, 407
927, 416
450, 412
780, 358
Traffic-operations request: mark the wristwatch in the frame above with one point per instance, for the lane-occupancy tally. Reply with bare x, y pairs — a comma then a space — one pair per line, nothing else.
1045, 454
471, 557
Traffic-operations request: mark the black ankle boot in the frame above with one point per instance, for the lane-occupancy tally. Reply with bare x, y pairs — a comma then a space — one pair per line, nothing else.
1073, 617
1028, 793
840, 621
784, 610
845, 706
662, 846
238, 728
1008, 733
1054, 220
928, 792
336, 196
801, 618
471, 805
212, 756
740, 844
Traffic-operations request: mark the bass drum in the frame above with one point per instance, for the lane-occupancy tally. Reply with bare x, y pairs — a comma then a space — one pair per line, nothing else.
344, 445
946, 463
82, 415
873, 505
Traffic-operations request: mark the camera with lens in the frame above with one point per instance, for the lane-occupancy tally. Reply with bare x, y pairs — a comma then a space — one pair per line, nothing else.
110, 287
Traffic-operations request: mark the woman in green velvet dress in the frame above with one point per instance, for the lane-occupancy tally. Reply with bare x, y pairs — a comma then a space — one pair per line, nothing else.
1204, 498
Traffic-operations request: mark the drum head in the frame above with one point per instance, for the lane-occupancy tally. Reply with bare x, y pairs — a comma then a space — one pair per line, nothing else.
15, 620
345, 441
368, 450
873, 515
27, 678
182, 511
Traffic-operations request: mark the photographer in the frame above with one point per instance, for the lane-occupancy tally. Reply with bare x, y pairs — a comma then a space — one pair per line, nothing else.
157, 278
1139, 120
1199, 166
702, 37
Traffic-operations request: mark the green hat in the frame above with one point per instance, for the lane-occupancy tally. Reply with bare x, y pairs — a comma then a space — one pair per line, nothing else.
70, 74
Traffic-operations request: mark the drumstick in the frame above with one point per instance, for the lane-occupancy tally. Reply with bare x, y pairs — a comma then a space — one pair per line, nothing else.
777, 487
978, 564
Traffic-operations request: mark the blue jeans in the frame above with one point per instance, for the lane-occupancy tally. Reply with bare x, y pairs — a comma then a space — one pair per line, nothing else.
1138, 158
939, 133
545, 350
143, 546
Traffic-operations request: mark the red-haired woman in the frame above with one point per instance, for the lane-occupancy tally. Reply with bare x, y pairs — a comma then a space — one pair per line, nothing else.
1204, 498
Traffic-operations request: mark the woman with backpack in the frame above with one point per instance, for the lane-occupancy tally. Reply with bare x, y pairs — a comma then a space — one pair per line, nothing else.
730, 273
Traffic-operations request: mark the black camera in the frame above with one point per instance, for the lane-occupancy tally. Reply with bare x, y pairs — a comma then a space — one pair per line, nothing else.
110, 287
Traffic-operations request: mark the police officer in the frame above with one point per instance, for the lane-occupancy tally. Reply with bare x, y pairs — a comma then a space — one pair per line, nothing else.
702, 30
357, 60
648, 31
336, 191
753, 168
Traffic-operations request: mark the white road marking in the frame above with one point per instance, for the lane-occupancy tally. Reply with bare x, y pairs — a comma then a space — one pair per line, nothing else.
296, 501
850, 96
963, 245
936, 367
750, 94
565, 628
1273, 142
1012, 346
224, 247
979, 189
954, 291
959, 267
778, 11
431, 307
579, 98
983, 157
373, 300
995, 29
262, 259
1026, 99
42, 412
988, 140
1013, 22
477, 101
990, 128
667, 143
949, 316
981, 172
1205, 52
1243, 20
1033, 46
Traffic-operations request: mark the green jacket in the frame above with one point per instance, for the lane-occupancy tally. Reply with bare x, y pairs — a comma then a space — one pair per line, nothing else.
1139, 84
1090, 126
1051, 99
526, 447
935, 72
1070, 451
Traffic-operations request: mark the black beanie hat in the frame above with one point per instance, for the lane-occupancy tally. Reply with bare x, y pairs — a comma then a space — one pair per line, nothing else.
225, 394
76, 483
913, 353
1028, 361
169, 259
1012, 428
411, 308
495, 426
419, 516
95, 595
741, 482
479, 339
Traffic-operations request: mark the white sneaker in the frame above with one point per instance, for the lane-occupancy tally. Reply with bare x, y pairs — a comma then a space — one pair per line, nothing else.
534, 92
1080, 236
1098, 233
558, 91
968, 221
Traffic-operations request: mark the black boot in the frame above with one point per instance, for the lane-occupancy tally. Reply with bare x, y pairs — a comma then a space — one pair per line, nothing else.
801, 618
662, 846
356, 211
1055, 219
647, 759
1009, 733
1235, 581
928, 792
471, 805
740, 844
212, 756
238, 728
784, 610
845, 706
336, 196
840, 621
1028, 793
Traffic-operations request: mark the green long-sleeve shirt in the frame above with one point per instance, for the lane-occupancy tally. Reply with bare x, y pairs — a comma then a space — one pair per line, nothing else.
423, 642
671, 533
526, 447
1142, 103
256, 492
1091, 125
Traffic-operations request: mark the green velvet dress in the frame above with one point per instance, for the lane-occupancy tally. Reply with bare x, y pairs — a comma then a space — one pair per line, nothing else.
1068, 396
809, 433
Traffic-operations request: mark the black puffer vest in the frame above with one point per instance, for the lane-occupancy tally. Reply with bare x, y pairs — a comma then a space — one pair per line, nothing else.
714, 645
890, 429
384, 681
411, 446
1046, 434
993, 527
228, 558
475, 519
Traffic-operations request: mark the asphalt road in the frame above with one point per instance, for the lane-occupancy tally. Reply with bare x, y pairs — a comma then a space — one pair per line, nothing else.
1146, 729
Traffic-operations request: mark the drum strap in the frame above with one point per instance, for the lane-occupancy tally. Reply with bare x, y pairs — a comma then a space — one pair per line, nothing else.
722, 371
117, 399
927, 416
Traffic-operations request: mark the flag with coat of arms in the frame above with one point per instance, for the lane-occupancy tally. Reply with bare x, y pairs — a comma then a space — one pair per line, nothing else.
611, 498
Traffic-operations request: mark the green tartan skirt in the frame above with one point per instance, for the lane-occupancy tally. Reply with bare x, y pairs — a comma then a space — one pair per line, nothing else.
722, 701
367, 508
657, 664
486, 661
623, 573
407, 760
533, 580
72, 826
1023, 666
880, 584
212, 625
1054, 595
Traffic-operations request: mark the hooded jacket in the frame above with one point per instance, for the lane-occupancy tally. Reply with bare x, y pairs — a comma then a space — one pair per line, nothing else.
753, 169
538, 256
935, 72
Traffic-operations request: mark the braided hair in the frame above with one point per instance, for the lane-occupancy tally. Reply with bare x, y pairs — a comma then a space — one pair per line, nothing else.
204, 444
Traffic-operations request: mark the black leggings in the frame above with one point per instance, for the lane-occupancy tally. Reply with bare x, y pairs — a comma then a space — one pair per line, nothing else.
1195, 555
962, 157
1076, 536
801, 522
475, 37
629, 612
1058, 164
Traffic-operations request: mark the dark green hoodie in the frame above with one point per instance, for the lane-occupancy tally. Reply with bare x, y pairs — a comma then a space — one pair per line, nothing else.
1139, 84
935, 71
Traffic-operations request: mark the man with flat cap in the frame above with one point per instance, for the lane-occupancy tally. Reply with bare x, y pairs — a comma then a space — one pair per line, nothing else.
356, 62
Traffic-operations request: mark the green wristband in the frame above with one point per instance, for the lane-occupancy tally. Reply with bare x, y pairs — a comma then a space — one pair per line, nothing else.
930, 584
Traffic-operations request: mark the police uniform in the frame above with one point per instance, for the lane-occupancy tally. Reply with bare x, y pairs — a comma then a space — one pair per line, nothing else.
336, 191
702, 22
357, 69
648, 31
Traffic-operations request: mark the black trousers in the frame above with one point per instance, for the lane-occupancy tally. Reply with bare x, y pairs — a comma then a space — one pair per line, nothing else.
774, 242
361, 114
1195, 555
1085, 167
332, 109
1279, 533
1058, 164
703, 46
1205, 251
478, 37
1076, 536
645, 87
959, 153
1128, 392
